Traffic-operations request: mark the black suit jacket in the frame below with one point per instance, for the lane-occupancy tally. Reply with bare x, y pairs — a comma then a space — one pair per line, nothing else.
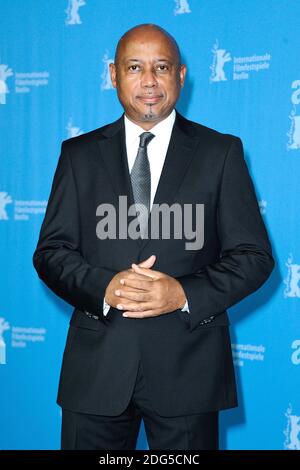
187, 362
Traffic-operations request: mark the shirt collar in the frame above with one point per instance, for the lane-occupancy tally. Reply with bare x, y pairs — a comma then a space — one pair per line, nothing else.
163, 128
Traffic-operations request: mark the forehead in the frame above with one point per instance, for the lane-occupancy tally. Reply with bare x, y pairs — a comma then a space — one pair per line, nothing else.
142, 46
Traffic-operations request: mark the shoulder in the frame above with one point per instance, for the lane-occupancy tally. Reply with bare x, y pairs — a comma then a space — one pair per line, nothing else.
89, 138
207, 134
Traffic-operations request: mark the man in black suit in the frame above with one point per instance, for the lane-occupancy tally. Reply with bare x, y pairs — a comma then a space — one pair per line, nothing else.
149, 335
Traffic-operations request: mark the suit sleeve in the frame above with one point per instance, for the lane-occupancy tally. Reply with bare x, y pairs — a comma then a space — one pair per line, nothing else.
57, 258
245, 257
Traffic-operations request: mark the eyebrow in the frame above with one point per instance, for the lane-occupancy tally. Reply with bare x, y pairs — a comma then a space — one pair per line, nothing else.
140, 60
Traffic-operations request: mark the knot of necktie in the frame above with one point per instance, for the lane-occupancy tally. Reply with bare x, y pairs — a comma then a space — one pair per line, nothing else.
145, 138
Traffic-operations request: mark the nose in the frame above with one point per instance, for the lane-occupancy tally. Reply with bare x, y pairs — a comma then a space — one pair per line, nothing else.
148, 79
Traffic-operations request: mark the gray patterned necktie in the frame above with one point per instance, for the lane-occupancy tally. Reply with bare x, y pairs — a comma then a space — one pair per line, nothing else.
141, 180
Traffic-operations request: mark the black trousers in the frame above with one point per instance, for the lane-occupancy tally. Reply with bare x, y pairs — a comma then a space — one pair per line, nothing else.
97, 432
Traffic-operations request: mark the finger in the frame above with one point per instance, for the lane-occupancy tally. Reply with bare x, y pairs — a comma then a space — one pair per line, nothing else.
131, 295
144, 271
133, 306
149, 262
133, 275
144, 314
136, 284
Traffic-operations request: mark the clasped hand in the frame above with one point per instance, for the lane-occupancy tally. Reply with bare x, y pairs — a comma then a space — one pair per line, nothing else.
143, 292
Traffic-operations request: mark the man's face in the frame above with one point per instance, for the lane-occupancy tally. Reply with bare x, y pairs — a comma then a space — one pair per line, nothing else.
148, 77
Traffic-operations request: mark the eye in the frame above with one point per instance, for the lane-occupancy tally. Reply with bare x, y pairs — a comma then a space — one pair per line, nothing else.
162, 67
134, 68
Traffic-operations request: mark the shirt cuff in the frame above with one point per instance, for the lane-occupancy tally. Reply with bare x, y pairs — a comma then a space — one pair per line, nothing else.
185, 308
106, 308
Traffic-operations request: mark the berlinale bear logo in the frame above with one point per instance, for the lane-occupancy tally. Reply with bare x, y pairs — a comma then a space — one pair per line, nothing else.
292, 430
4, 326
72, 12
5, 72
4, 200
221, 56
292, 280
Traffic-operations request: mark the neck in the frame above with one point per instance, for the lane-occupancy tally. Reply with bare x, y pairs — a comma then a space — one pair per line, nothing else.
147, 124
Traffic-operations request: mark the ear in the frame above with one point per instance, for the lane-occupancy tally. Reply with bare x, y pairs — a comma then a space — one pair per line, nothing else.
113, 74
182, 74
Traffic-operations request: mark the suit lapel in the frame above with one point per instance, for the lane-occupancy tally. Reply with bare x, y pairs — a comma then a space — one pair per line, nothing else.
113, 151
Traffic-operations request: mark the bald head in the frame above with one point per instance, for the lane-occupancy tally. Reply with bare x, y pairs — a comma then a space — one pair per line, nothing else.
147, 74
146, 32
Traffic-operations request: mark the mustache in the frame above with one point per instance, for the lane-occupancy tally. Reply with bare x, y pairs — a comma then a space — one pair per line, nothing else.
145, 95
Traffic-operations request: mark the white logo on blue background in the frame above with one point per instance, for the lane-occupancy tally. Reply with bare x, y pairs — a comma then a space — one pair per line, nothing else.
242, 66
294, 131
72, 130
292, 280
295, 357
262, 206
292, 430
4, 200
220, 57
4, 326
5, 72
72, 11
181, 7
105, 76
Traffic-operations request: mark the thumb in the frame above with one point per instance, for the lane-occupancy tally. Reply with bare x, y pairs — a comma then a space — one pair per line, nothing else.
148, 263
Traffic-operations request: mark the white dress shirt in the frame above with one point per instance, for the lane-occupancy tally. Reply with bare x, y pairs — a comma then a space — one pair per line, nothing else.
156, 151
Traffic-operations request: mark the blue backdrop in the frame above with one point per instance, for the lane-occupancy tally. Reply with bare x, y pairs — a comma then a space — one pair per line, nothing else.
243, 78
